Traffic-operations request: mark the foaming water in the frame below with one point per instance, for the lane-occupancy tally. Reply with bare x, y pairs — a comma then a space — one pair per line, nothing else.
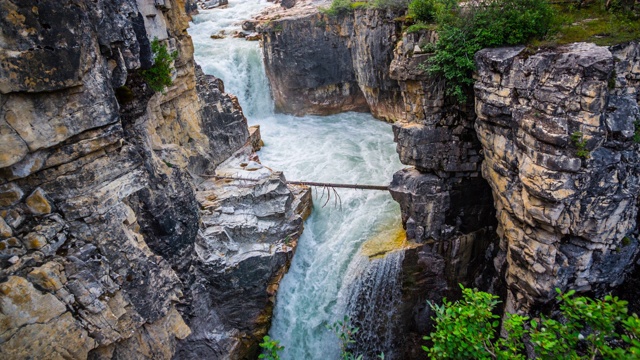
236, 61
344, 148
373, 295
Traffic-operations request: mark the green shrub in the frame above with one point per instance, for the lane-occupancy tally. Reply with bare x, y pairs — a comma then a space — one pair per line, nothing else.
271, 349
512, 22
636, 134
159, 75
423, 10
463, 32
389, 4
338, 7
577, 138
466, 329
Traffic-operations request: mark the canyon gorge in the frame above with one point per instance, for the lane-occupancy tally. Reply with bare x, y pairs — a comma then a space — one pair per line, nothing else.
142, 224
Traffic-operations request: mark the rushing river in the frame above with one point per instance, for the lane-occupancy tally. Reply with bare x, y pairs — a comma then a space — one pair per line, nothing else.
328, 270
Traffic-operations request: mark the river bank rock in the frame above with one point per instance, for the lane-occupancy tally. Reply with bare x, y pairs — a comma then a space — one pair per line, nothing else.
99, 197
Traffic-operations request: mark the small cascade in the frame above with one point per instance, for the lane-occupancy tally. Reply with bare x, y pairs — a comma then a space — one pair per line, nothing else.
375, 294
236, 61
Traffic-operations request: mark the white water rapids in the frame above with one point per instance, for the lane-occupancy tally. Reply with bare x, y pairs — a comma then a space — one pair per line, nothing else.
328, 269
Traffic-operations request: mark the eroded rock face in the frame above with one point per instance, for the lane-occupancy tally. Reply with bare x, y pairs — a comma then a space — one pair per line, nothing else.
248, 233
99, 204
342, 64
445, 203
565, 220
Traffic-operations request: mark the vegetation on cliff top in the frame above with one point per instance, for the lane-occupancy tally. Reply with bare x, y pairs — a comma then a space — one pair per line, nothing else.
587, 329
466, 27
465, 30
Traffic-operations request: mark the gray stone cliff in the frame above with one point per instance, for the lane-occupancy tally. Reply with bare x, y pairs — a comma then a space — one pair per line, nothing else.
566, 220
321, 64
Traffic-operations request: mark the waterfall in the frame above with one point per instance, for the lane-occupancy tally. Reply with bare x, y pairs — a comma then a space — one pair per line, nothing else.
372, 303
348, 148
236, 61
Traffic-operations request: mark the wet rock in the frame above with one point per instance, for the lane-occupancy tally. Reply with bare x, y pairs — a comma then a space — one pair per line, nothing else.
48, 276
111, 168
253, 36
249, 25
288, 4
54, 340
5, 230
248, 234
254, 137
212, 4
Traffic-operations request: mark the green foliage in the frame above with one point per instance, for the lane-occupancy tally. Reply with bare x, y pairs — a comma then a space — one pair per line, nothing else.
636, 134
159, 75
419, 26
593, 22
388, 4
344, 331
271, 349
467, 329
486, 24
338, 7
578, 141
423, 10
587, 322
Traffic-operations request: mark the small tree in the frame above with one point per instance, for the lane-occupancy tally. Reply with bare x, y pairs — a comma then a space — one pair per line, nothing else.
159, 75
344, 331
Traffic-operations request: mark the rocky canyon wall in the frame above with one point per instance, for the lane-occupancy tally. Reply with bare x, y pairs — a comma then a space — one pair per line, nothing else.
114, 243
567, 219
445, 203
321, 64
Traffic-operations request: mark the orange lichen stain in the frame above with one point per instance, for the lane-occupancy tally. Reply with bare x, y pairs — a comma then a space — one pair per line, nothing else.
15, 18
386, 241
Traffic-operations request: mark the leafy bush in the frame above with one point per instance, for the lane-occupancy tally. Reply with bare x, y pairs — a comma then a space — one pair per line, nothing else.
338, 7
466, 329
344, 331
388, 4
423, 10
636, 134
486, 24
271, 349
159, 75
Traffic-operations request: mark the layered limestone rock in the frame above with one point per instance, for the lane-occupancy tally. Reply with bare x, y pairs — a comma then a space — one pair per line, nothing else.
445, 204
99, 204
341, 64
556, 129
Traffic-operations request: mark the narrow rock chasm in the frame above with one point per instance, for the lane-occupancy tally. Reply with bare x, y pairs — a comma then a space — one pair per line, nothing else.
118, 241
